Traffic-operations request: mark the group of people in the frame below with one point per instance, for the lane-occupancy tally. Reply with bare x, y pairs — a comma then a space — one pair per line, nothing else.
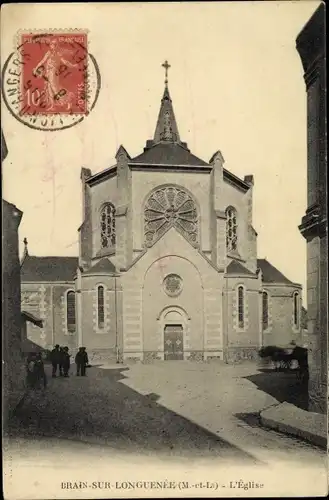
61, 361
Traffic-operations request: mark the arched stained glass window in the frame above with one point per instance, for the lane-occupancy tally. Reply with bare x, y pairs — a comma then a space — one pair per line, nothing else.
265, 310
100, 306
107, 223
70, 311
170, 206
296, 310
231, 229
241, 306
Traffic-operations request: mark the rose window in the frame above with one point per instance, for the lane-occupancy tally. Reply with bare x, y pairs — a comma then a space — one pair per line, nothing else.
173, 285
170, 206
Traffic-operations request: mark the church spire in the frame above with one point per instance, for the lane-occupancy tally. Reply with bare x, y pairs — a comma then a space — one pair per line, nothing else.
166, 128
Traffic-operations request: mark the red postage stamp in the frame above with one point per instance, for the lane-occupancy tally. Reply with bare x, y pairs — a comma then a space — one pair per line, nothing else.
54, 73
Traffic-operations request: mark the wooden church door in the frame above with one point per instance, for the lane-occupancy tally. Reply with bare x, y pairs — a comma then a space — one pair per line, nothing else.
173, 342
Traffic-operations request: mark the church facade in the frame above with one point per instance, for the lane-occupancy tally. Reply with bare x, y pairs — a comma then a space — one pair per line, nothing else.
168, 266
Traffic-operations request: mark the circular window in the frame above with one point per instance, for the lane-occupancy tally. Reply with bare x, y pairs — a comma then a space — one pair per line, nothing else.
173, 285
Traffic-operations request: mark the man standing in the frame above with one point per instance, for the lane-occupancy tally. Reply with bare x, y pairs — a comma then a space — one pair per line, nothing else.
66, 361
55, 359
81, 360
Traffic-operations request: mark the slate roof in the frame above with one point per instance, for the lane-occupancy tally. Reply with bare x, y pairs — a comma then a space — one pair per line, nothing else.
270, 273
170, 153
102, 267
48, 269
235, 267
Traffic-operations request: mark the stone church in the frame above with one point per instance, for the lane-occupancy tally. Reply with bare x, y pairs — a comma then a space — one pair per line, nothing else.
168, 266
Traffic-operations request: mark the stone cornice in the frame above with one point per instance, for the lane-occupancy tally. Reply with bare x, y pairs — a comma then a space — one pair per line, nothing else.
235, 181
105, 252
170, 168
220, 214
101, 176
314, 223
315, 70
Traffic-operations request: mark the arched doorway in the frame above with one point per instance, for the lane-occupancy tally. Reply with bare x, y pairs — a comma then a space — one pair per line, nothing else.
173, 323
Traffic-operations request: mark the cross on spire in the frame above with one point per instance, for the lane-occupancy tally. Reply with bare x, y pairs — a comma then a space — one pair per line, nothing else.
166, 66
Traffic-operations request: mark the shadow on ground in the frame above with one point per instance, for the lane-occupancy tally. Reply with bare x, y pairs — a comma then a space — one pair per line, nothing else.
101, 408
283, 386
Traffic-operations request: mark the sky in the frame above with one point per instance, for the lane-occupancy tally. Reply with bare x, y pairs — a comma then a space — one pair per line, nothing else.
236, 82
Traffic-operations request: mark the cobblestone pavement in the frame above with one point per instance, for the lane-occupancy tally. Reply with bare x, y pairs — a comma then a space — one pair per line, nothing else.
191, 412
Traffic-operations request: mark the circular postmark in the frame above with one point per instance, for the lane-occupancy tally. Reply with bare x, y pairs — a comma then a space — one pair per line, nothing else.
51, 82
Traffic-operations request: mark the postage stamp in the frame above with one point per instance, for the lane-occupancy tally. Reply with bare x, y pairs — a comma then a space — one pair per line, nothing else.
51, 81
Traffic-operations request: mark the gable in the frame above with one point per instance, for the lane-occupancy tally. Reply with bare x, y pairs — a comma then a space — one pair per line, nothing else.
235, 268
104, 266
172, 243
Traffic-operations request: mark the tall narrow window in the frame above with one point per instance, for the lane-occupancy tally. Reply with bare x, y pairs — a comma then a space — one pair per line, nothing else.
296, 310
100, 306
241, 306
265, 310
70, 311
107, 222
231, 229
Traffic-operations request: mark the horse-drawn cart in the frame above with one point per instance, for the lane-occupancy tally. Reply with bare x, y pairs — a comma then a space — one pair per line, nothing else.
293, 358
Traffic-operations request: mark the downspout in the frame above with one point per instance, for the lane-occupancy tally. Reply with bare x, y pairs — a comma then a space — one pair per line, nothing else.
227, 313
79, 307
116, 320
52, 316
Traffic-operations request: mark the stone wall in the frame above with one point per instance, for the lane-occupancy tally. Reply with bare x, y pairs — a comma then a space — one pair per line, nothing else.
281, 327
47, 301
246, 338
101, 342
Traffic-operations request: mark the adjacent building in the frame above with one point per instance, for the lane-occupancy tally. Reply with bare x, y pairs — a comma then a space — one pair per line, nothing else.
314, 226
13, 368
